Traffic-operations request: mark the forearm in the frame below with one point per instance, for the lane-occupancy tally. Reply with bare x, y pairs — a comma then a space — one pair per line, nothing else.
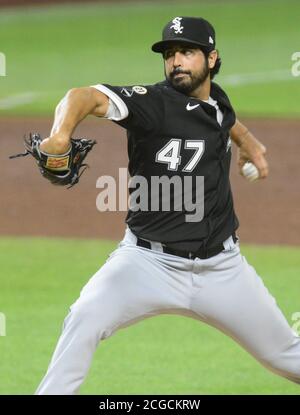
246, 141
249, 148
71, 110
240, 134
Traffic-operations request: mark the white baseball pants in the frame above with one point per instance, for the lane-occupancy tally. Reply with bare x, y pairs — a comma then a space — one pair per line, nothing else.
136, 283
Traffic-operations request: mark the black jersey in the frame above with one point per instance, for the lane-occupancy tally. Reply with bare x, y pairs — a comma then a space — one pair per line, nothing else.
171, 134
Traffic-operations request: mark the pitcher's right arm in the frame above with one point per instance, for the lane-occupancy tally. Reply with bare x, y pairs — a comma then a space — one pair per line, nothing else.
71, 110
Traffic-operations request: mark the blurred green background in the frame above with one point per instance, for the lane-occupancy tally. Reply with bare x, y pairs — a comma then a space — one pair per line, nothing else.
52, 49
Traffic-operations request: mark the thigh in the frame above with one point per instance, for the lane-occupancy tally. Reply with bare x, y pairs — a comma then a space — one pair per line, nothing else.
131, 285
232, 297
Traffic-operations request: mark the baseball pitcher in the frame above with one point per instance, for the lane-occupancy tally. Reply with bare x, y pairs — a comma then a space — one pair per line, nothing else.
184, 259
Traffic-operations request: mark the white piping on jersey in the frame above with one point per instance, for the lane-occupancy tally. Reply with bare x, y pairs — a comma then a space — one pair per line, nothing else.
214, 103
117, 109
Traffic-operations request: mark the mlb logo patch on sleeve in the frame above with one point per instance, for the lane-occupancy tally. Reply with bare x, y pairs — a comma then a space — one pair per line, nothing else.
139, 90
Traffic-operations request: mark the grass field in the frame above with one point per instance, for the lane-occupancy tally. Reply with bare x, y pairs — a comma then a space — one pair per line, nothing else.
40, 278
51, 49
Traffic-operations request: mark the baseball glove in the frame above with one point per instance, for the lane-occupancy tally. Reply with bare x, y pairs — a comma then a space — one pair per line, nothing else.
59, 169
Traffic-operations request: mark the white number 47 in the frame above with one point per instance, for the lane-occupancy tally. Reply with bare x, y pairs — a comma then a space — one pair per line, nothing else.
170, 153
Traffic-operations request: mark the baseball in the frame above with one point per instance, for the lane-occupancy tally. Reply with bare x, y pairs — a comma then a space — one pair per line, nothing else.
250, 171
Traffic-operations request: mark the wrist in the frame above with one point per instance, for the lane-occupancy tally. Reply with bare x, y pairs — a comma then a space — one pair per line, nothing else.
56, 144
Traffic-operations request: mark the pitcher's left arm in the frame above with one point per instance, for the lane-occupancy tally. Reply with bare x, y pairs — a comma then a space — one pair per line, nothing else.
249, 149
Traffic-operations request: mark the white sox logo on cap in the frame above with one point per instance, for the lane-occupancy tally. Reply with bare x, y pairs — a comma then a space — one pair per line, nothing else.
177, 25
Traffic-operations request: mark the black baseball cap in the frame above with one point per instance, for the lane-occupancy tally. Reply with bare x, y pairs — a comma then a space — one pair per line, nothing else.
194, 31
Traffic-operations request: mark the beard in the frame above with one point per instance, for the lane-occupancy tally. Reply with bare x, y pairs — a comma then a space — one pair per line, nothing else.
189, 82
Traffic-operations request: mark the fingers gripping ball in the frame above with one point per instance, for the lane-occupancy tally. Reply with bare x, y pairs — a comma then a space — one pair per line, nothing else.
59, 169
250, 172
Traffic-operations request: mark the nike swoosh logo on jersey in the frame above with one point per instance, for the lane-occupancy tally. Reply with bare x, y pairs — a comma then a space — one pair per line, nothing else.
191, 107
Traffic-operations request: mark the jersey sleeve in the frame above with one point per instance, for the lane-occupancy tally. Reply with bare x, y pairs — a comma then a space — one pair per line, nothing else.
138, 107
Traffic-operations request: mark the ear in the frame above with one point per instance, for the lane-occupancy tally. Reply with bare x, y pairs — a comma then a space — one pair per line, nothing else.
212, 57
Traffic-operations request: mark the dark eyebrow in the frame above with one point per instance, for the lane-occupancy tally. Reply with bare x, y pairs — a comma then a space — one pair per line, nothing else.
179, 48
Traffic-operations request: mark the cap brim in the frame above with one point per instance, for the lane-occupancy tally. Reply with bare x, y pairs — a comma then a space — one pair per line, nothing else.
160, 47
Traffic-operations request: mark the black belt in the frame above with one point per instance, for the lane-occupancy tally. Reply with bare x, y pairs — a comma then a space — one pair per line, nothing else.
202, 253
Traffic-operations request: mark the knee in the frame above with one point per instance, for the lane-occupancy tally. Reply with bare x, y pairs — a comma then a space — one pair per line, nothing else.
90, 317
